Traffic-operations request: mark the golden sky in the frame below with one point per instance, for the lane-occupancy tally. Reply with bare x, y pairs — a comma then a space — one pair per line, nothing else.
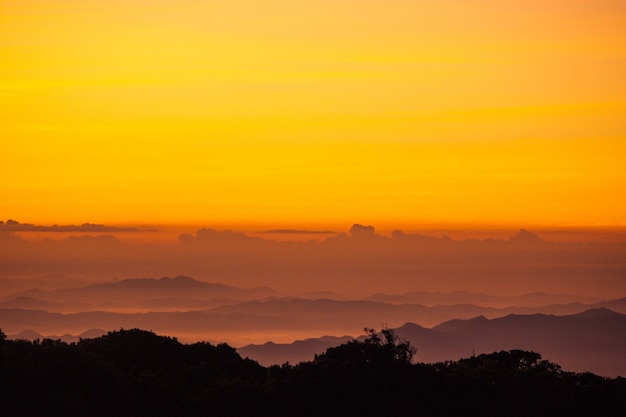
313, 112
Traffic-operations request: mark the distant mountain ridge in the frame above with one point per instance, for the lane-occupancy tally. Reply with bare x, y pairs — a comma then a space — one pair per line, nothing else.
271, 353
67, 338
481, 299
180, 294
268, 316
594, 340
134, 290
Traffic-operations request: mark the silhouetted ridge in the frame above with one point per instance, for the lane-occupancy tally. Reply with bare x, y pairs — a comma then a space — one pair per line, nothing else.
177, 283
591, 342
411, 326
456, 324
597, 313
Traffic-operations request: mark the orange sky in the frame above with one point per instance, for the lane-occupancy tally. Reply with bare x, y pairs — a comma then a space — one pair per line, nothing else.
314, 112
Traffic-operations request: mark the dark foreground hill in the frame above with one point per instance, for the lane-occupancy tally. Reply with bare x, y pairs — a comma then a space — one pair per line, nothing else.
137, 373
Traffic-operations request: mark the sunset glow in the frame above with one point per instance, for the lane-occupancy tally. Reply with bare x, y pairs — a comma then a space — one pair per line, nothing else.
309, 113
313, 207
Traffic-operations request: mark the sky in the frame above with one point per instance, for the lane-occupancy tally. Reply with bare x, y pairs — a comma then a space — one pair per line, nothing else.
313, 114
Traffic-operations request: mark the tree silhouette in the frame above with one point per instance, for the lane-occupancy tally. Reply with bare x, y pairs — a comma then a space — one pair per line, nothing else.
379, 348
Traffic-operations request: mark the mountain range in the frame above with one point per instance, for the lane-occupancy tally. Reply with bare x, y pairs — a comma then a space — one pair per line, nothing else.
442, 325
593, 341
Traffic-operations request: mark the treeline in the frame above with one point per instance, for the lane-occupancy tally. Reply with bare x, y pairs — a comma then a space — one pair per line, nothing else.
137, 373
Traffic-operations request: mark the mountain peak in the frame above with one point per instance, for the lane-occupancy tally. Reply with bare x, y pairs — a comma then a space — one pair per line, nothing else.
598, 312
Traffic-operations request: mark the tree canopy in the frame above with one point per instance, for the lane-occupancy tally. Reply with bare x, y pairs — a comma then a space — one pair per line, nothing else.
136, 372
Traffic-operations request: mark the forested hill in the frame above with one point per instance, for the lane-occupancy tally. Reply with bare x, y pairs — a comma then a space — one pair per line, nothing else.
137, 373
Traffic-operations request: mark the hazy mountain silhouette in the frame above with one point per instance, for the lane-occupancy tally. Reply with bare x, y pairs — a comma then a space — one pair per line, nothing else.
26, 335
430, 298
594, 340
260, 319
350, 313
271, 353
148, 305
29, 303
184, 293
618, 305
67, 338
140, 290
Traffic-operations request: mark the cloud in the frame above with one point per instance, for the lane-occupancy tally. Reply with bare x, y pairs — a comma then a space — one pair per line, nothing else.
400, 236
14, 226
104, 240
358, 231
299, 232
212, 235
524, 237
